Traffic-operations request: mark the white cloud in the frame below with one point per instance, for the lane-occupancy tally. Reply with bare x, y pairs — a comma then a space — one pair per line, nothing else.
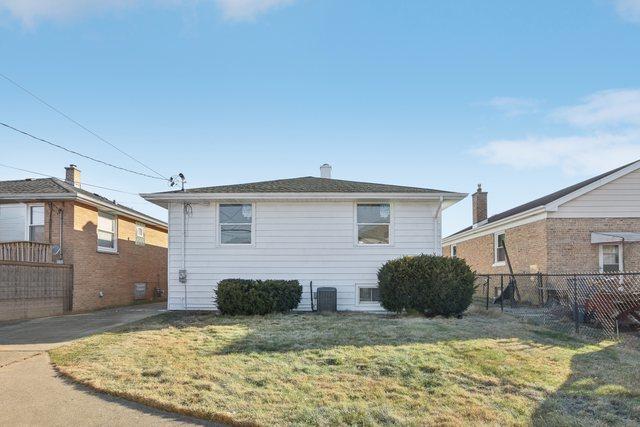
512, 106
246, 10
588, 154
31, 12
603, 109
628, 9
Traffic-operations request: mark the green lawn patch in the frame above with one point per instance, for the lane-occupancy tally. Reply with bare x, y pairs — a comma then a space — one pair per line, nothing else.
360, 370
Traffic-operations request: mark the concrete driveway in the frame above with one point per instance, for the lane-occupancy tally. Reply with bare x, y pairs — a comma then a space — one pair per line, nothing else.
31, 393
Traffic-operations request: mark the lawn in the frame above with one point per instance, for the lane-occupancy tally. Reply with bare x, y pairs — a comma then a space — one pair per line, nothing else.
360, 370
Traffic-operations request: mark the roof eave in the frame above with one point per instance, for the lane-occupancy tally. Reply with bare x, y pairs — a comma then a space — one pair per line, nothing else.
164, 198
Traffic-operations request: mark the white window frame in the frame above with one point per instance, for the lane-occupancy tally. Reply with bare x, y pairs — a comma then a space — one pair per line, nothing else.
620, 255
115, 233
375, 304
454, 248
27, 222
497, 263
219, 224
355, 223
141, 227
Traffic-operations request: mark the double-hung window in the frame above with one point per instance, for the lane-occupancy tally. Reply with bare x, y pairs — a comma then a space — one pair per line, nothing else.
236, 223
373, 223
140, 231
107, 232
36, 223
611, 258
498, 248
454, 251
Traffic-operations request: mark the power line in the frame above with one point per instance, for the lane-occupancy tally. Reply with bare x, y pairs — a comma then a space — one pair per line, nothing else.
42, 101
51, 176
53, 144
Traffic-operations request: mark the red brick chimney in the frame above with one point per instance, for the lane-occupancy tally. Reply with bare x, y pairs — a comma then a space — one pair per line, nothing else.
479, 202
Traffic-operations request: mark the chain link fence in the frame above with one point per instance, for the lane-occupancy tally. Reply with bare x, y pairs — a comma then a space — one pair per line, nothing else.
593, 305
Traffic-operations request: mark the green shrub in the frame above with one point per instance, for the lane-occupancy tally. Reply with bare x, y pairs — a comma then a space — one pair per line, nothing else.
250, 297
427, 284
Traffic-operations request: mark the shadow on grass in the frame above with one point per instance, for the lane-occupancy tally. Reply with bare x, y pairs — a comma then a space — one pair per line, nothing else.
603, 388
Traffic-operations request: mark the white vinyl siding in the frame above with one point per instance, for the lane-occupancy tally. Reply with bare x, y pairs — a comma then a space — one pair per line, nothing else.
307, 241
617, 199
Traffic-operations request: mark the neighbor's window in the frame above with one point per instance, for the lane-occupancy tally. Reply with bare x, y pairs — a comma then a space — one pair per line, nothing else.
140, 231
107, 232
368, 294
499, 252
36, 223
235, 224
373, 223
610, 258
454, 251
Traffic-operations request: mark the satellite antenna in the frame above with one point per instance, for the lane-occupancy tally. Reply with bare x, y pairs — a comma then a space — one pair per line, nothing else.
177, 179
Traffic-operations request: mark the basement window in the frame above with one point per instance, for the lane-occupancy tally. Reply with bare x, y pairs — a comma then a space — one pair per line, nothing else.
236, 224
368, 295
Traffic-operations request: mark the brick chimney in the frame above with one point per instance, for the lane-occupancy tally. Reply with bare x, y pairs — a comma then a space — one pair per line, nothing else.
72, 175
479, 202
325, 171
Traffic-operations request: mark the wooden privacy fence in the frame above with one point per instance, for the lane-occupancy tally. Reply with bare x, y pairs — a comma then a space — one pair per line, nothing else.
29, 290
26, 252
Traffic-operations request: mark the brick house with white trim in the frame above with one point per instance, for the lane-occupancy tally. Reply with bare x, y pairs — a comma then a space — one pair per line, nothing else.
113, 248
590, 226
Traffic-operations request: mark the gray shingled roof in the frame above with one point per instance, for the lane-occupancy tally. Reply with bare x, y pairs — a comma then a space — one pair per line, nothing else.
544, 200
310, 184
33, 186
54, 186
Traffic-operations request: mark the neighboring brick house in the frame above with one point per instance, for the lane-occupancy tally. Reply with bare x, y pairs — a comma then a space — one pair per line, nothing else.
590, 226
113, 249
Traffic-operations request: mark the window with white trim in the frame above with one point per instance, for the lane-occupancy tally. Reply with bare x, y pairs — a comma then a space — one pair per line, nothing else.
373, 223
368, 295
454, 251
107, 232
611, 258
36, 223
499, 255
140, 233
236, 223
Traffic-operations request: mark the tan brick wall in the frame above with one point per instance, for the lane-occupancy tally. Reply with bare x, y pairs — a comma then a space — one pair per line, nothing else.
526, 245
112, 273
570, 247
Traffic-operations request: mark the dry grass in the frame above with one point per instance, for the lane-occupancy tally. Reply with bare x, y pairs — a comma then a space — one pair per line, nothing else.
360, 370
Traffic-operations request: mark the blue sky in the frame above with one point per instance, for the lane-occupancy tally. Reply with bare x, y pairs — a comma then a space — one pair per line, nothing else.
524, 97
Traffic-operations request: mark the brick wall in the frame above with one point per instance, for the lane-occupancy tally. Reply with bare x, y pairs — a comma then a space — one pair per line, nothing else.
526, 245
570, 247
113, 274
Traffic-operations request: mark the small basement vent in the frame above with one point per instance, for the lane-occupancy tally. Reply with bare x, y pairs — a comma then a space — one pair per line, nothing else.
139, 291
327, 300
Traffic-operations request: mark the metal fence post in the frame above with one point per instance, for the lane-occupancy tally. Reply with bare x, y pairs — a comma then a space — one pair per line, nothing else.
488, 278
540, 290
575, 303
502, 293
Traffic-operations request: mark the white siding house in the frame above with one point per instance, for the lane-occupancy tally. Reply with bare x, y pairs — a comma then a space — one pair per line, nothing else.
330, 232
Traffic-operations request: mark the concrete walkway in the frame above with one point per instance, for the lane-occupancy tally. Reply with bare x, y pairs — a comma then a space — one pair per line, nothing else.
31, 393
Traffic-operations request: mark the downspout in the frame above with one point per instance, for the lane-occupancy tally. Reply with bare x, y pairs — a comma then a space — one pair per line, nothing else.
438, 229
61, 215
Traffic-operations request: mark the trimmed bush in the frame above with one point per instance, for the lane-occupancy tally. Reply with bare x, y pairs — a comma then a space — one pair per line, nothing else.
250, 297
427, 284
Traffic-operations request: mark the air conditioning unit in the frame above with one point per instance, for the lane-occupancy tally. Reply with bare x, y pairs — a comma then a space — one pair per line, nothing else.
327, 300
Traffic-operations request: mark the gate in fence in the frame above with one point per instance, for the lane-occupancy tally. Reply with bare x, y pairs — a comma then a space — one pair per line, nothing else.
29, 290
597, 305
